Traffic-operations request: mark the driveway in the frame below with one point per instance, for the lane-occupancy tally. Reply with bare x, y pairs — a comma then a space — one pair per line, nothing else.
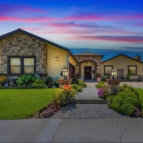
134, 84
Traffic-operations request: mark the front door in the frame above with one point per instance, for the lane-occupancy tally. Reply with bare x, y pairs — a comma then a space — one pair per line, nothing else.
87, 72
120, 73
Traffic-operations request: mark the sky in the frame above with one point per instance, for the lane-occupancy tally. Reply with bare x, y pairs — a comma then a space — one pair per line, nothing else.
105, 26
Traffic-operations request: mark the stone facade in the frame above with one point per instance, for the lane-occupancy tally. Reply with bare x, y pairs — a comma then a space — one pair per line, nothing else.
89, 59
23, 45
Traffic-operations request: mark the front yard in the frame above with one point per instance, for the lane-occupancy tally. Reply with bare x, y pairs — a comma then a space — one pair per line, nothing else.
22, 103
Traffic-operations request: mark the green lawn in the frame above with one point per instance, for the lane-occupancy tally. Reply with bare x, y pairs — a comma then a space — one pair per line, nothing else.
140, 91
21, 103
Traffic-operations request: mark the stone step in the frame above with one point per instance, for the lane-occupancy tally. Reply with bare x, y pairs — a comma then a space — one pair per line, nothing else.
86, 101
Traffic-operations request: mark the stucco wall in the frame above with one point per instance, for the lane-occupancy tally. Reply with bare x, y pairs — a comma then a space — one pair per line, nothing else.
24, 45
72, 61
87, 64
122, 62
54, 67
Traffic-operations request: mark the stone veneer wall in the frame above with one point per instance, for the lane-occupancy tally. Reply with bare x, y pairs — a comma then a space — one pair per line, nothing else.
93, 58
23, 45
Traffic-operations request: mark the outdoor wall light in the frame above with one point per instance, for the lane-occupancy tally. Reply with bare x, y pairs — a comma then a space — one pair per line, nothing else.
65, 73
56, 58
113, 73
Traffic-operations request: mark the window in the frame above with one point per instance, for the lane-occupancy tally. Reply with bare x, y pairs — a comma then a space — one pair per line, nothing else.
15, 65
108, 69
29, 65
132, 70
21, 65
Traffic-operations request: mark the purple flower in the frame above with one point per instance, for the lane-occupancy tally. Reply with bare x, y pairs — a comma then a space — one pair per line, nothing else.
101, 92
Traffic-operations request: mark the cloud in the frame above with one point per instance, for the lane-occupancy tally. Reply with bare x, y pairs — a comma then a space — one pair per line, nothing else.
128, 39
20, 19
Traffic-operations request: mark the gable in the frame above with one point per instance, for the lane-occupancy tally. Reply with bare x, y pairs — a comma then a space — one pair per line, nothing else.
120, 59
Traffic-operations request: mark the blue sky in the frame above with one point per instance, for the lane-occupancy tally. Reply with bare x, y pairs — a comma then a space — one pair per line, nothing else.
104, 25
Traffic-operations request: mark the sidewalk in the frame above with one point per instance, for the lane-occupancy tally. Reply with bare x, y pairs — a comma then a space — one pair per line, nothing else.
98, 130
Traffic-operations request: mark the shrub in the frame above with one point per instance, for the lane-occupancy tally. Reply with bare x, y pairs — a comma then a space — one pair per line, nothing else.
78, 88
3, 79
75, 80
49, 82
25, 80
100, 84
56, 82
82, 83
126, 101
39, 83
64, 96
127, 87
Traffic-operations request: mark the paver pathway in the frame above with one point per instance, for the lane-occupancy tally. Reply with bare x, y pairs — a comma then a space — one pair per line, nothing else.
89, 93
88, 110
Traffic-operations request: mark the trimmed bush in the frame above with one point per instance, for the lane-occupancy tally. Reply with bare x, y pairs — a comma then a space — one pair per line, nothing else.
82, 83
126, 101
39, 83
100, 84
77, 87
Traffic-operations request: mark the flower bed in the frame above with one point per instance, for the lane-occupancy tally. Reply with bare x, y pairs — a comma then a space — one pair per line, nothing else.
125, 101
27, 81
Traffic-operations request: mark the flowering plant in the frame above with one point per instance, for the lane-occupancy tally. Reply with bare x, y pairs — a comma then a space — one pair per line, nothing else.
101, 92
67, 87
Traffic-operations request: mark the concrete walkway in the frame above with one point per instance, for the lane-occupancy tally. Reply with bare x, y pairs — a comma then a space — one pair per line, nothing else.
89, 93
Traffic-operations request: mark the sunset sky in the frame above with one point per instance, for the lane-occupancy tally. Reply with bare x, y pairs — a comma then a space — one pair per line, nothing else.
103, 25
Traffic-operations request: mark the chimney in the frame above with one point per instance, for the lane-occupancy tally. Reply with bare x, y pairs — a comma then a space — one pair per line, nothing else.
138, 58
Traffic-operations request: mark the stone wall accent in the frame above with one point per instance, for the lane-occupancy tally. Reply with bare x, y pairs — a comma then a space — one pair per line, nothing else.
94, 58
24, 45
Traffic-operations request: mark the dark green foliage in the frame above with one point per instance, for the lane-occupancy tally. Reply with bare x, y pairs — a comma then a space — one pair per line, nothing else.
39, 83
49, 82
25, 81
75, 80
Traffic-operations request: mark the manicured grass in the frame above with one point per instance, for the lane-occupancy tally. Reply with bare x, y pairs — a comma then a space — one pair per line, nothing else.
140, 91
22, 103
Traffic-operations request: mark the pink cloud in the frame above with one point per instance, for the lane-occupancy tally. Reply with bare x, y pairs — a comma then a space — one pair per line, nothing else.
128, 39
19, 19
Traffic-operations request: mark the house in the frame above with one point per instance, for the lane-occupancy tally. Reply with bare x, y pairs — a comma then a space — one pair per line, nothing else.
124, 66
24, 53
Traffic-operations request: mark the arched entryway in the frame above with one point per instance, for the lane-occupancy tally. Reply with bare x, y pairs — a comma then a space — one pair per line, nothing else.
88, 69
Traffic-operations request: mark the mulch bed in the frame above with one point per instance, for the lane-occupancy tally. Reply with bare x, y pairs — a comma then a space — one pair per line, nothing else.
47, 112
